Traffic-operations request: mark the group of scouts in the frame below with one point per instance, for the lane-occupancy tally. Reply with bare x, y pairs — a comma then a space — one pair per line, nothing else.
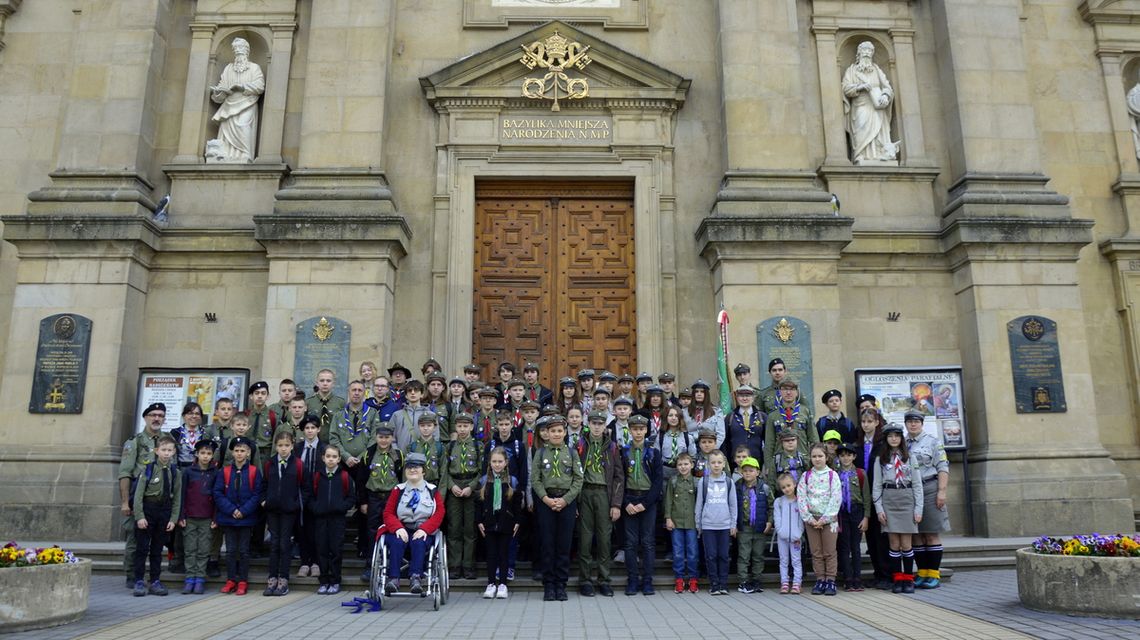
616, 460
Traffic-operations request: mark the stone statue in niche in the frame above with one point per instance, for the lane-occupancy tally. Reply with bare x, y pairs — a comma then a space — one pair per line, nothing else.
867, 100
238, 91
1134, 112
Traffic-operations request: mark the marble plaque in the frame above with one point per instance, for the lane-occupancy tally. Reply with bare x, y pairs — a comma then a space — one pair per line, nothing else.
322, 343
789, 339
61, 364
1035, 357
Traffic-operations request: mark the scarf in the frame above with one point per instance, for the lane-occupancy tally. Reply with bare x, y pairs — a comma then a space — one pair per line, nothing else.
497, 494
845, 478
896, 462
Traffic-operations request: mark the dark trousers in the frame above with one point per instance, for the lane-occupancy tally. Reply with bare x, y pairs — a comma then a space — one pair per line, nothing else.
877, 549
363, 541
306, 538
850, 555
377, 500
716, 556
639, 541
330, 540
460, 532
280, 543
498, 556
556, 529
149, 541
237, 553
396, 548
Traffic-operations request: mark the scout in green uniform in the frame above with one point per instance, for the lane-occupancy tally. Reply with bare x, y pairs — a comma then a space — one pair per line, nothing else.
743, 374
463, 460
324, 403
286, 391
262, 419
680, 520
380, 470
853, 517
428, 444
294, 419
436, 402
769, 397
557, 477
754, 522
353, 426
224, 411
156, 509
599, 506
138, 452
790, 415
787, 460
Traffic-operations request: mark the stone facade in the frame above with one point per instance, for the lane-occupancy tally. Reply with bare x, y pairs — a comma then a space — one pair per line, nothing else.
1015, 194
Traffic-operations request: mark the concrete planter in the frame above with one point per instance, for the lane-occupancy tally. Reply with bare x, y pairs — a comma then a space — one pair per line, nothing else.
43, 596
1079, 585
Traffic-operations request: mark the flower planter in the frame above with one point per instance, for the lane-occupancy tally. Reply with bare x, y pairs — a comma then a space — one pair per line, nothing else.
1079, 585
43, 596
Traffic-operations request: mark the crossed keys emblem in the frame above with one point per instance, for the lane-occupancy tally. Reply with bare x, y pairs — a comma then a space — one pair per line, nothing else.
556, 54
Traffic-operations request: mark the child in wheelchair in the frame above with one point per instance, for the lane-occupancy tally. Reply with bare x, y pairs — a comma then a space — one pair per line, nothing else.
411, 518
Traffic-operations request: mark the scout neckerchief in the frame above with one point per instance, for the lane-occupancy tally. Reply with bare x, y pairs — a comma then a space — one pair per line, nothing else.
866, 454
428, 448
555, 462
383, 462
791, 413
655, 420
572, 438
533, 393
518, 418
357, 418
700, 414
326, 415
497, 493
845, 479
635, 460
753, 414
594, 451
896, 462
464, 449
190, 437
792, 469
673, 452
750, 499
414, 499
487, 428
281, 467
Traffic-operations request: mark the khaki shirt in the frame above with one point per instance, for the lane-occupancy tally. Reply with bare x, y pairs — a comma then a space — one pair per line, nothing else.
557, 468
928, 455
138, 452
325, 411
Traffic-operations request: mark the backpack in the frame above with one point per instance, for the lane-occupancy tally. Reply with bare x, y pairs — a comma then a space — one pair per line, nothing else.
226, 473
343, 481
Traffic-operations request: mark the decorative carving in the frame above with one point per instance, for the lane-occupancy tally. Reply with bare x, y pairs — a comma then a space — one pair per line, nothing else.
783, 330
238, 92
556, 53
323, 330
867, 100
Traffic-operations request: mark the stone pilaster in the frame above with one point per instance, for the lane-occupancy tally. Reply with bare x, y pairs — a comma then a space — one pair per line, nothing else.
768, 265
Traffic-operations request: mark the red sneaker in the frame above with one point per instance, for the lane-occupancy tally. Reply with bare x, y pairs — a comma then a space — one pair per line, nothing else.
693, 586
242, 587
228, 587
679, 587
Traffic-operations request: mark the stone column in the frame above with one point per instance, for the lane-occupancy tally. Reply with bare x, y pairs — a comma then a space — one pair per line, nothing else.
761, 77
196, 100
276, 89
827, 57
906, 98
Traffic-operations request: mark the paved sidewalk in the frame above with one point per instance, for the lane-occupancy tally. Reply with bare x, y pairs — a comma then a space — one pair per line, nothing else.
976, 605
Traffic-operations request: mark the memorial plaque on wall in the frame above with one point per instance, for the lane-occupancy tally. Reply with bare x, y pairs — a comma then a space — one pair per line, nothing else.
789, 339
322, 343
1035, 357
61, 364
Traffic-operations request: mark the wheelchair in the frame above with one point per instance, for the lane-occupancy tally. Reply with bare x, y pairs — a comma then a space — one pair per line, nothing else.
437, 586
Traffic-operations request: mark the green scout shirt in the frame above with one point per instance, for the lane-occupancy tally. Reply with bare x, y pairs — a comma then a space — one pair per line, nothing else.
261, 427
431, 449
681, 501
594, 466
557, 467
461, 468
223, 430
383, 469
860, 495
352, 433
778, 423
164, 484
636, 475
326, 410
138, 452
767, 399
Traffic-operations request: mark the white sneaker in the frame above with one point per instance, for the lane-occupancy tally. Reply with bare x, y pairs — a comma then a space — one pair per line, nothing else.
489, 592
501, 592
619, 557
315, 571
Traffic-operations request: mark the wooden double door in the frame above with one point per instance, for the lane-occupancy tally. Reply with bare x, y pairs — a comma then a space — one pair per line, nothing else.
554, 277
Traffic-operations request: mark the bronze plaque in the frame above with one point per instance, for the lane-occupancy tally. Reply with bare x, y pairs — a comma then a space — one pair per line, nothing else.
1035, 357
61, 364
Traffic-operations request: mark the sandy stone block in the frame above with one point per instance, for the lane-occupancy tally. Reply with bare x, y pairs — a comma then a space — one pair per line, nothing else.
937, 335
89, 82
299, 272
368, 45
364, 114
31, 271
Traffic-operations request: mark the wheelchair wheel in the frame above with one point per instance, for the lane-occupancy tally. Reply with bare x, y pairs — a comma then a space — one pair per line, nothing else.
436, 601
376, 583
440, 571
445, 578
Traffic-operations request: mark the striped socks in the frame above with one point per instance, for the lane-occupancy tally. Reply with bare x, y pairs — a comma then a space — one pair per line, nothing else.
921, 560
908, 561
934, 561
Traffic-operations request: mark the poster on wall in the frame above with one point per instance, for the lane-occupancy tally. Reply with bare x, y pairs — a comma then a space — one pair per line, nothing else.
936, 392
176, 387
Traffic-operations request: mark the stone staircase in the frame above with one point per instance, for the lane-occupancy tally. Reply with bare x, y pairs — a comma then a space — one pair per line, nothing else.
961, 554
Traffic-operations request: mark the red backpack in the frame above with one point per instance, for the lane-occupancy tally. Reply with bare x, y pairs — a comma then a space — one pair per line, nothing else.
252, 476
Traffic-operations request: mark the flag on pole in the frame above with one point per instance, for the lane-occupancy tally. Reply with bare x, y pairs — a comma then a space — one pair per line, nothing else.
722, 364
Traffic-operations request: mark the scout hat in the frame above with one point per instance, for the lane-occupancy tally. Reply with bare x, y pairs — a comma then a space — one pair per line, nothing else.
626, 400
892, 427
607, 377
653, 388
625, 377
597, 416
685, 393
555, 419
428, 417
846, 447
396, 366
832, 393
600, 390
516, 382
745, 390
549, 410
585, 373
666, 377
750, 462
913, 414
435, 375
644, 375
775, 361
157, 406
240, 440
530, 366
488, 391
706, 434
788, 435
700, 384
567, 382
385, 429
463, 416
638, 421
472, 368
457, 380
431, 362
529, 404
866, 397
741, 368
832, 434
788, 383
415, 460
205, 443
260, 384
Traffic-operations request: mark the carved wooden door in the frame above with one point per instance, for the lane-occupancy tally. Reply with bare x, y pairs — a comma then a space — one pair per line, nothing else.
554, 277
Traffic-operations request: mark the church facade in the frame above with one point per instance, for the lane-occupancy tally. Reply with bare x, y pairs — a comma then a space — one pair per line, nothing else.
581, 183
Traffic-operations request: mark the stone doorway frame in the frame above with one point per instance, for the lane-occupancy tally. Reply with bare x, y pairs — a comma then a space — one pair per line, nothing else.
641, 99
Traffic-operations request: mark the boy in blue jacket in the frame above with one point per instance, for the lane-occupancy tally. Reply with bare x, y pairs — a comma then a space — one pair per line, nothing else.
237, 495
329, 494
642, 464
282, 476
